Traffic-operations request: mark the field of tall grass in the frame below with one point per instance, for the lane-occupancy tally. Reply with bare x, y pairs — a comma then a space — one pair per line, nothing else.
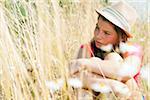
39, 37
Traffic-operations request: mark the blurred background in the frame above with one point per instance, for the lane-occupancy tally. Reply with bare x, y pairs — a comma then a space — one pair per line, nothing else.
39, 37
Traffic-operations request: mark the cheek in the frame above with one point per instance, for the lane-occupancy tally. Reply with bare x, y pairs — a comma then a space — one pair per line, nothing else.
95, 34
112, 40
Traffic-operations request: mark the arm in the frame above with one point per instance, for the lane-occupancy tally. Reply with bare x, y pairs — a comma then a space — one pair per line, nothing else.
122, 70
103, 85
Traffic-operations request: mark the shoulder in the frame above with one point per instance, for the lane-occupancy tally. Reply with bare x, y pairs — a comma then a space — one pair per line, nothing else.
129, 48
86, 45
85, 51
132, 54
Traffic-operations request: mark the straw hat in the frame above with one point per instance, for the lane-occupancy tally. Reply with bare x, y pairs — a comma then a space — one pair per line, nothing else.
121, 14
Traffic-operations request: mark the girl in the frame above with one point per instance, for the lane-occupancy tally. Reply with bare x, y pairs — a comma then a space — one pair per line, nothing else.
109, 56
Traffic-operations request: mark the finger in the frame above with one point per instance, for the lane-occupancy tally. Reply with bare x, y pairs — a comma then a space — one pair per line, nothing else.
78, 65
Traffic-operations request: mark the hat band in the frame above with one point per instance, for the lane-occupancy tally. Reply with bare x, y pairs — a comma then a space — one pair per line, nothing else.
118, 16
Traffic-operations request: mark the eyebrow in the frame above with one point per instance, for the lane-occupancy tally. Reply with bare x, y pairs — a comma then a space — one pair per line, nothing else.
104, 30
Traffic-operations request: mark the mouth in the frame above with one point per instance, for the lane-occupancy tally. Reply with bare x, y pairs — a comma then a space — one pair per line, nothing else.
98, 44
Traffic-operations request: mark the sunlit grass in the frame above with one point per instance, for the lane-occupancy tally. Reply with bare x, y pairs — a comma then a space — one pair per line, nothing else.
37, 40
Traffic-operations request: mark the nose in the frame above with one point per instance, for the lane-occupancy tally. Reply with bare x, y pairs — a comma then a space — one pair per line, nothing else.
100, 34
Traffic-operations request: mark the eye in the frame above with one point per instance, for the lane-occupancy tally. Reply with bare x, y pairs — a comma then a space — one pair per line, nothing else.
107, 33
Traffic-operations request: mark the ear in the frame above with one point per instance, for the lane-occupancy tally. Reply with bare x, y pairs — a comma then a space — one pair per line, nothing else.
118, 41
124, 37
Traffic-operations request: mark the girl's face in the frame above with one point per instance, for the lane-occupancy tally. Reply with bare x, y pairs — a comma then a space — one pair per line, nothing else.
105, 33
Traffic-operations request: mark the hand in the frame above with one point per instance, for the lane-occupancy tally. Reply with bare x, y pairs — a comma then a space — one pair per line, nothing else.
83, 64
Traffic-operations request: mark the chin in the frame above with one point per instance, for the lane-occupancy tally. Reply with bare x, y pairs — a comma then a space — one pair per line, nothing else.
97, 45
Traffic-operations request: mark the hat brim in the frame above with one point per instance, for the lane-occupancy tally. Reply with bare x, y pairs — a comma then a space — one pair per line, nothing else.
113, 20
